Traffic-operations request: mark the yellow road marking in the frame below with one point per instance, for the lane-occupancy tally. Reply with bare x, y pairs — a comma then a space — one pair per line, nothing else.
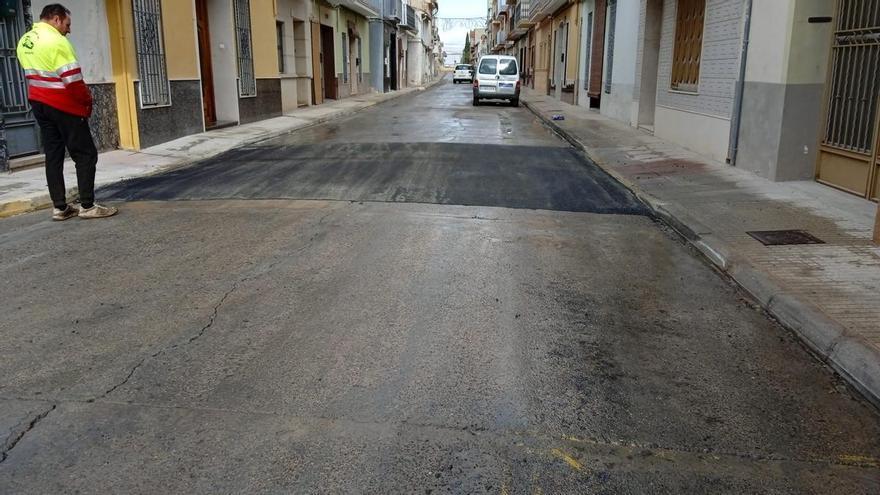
571, 461
861, 460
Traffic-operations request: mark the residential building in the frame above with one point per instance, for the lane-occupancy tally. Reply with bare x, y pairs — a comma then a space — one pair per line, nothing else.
224, 69
749, 82
163, 69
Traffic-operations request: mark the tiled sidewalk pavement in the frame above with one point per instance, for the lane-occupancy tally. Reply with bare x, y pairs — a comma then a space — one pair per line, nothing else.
828, 293
25, 190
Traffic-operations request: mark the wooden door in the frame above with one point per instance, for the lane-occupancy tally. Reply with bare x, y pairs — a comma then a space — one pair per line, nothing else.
328, 62
317, 74
205, 66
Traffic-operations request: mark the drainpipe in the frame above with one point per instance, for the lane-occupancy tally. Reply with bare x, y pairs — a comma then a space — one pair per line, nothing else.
740, 84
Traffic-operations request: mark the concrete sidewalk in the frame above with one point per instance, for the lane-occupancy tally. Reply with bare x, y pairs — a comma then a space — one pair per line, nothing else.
25, 190
829, 294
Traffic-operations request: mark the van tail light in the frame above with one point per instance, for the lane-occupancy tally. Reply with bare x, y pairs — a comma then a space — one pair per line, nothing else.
476, 83
518, 84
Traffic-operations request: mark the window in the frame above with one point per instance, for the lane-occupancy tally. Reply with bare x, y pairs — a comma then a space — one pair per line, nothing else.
344, 59
489, 66
507, 67
247, 82
359, 61
279, 36
154, 87
588, 52
612, 26
688, 45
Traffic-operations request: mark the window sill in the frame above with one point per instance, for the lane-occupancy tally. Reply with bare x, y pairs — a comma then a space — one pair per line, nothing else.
695, 92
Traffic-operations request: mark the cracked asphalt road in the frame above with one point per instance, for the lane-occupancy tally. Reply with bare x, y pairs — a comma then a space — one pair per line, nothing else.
371, 307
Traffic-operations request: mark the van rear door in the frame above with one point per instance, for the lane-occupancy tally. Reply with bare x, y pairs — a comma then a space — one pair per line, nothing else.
487, 74
508, 75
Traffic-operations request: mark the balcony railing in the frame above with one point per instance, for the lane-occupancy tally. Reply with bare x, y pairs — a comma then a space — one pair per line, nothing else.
392, 10
409, 19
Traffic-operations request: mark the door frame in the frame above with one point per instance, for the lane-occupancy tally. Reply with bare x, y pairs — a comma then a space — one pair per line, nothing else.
317, 72
206, 68
328, 63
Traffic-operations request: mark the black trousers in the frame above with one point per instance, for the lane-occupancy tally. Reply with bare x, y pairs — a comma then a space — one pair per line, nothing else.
62, 130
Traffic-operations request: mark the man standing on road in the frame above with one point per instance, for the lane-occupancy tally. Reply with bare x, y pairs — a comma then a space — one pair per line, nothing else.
62, 104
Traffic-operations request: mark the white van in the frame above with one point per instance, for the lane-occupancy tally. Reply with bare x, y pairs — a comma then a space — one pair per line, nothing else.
497, 78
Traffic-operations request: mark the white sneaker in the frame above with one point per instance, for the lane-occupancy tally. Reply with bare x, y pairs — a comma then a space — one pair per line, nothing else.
97, 211
61, 215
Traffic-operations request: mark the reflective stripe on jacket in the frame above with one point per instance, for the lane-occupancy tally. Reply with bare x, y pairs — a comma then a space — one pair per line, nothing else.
53, 74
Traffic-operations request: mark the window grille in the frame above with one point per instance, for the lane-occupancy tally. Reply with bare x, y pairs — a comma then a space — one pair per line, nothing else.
154, 86
247, 82
588, 52
344, 59
279, 36
360, 61
612, 26
688, 45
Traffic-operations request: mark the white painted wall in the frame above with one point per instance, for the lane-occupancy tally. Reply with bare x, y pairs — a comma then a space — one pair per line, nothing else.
770, 37
620, 103
89, 36
701, 121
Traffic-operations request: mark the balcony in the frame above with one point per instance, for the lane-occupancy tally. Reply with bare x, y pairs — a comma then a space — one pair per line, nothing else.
409, 19
541, 9
393, 10
521, 20
366, 8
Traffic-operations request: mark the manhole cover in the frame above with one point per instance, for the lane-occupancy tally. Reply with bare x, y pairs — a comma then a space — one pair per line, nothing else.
785, 237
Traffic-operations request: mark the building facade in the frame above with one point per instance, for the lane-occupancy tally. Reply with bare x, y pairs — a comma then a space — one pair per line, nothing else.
163, 69
784, 88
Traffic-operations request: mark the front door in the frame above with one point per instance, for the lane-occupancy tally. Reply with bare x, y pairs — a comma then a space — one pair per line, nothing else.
22, 133
848, 155
328, 62
561, 58
205, 64
317, 75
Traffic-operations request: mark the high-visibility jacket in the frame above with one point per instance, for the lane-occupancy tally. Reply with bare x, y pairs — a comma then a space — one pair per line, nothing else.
53, 74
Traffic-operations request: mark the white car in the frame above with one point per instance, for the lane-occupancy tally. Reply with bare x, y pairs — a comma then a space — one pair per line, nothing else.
463, 72
497, 78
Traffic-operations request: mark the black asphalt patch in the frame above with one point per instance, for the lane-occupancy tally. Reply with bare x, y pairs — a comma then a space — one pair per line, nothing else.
548, 178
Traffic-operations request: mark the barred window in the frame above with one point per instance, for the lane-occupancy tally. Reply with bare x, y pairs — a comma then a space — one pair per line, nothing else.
688, 45
247, 82
154, 86
279, 37
344, 58
612, 27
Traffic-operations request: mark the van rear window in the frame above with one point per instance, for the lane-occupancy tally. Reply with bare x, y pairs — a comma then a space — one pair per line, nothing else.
508, 67
488, 66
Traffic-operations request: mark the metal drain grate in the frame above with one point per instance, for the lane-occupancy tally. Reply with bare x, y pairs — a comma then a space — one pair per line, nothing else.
785, 237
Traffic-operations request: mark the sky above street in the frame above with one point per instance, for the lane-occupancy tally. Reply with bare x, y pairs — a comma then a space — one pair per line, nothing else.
453, 33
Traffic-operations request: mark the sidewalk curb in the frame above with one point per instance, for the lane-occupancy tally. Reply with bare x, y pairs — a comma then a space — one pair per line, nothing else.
850, 355
27, 204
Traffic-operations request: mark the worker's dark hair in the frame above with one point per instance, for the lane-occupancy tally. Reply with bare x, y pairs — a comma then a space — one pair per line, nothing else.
53, 9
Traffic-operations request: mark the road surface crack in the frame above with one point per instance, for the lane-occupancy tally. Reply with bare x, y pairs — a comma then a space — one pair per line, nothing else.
214, 313
15, 437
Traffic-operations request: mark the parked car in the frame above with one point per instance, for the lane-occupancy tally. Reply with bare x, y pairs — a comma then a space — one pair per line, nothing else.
497, 78
463, 72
